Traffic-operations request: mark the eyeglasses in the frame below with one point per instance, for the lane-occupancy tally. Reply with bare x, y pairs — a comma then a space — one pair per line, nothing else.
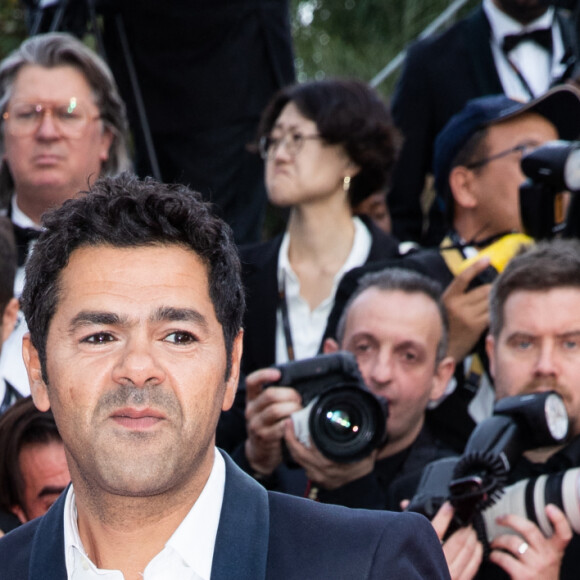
292, 141
70, 119
523, 148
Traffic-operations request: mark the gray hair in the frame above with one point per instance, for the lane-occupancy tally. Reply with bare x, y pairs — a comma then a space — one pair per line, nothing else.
59, 49
409, 282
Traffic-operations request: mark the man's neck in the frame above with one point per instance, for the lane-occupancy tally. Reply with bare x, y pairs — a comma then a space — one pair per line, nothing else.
402, 443
126, 533
522, 15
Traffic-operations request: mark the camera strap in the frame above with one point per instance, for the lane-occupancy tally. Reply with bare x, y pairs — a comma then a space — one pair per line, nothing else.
283, 305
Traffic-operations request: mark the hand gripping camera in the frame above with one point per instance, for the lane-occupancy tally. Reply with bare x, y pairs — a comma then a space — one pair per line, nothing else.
341, 417
475, 481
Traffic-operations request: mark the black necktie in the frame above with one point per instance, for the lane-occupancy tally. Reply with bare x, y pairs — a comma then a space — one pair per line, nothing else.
23, 237
541, 36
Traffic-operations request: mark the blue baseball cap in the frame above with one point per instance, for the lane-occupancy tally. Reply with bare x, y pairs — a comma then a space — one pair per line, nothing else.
560, 106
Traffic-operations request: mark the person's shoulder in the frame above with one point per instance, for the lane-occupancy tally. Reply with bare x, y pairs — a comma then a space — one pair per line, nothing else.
352, 543
319, 517
449, 37
15, 549
252, 252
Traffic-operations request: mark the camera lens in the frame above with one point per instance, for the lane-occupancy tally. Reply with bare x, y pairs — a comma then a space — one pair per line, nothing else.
347, 423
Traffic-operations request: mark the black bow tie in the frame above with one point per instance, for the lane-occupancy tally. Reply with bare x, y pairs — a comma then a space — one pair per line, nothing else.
23, 237
541, 36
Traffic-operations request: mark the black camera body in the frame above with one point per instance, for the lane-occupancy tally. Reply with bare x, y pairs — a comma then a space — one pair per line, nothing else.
341, 417
476, 480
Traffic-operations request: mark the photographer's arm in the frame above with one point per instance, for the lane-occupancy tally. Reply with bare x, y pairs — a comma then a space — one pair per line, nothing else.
467, 311
331, 477
532, 555
266, 412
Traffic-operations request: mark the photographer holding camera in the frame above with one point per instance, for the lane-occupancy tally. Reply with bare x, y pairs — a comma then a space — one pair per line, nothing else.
396, 327
534, 346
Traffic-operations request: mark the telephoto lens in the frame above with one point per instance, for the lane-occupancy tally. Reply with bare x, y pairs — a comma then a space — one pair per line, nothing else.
529, 498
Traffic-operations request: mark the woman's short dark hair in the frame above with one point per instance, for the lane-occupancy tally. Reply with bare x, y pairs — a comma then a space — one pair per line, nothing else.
351, 114
125, 212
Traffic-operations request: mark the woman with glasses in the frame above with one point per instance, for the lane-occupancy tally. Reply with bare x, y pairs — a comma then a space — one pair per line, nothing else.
327, 146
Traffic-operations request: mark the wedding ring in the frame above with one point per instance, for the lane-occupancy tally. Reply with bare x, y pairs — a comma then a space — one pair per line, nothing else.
523, 548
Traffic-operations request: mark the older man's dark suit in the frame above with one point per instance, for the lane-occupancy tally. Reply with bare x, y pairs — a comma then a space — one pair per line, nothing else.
260, 277
440, 75
264, 535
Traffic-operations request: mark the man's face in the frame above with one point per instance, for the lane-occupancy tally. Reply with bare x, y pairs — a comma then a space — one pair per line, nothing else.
136, 364
538, 348
45, 474
394, 336
495, 186
47, 166
523, 11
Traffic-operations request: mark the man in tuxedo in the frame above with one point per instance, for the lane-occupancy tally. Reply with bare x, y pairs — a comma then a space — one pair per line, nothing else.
489, 52
134, 302
62, 124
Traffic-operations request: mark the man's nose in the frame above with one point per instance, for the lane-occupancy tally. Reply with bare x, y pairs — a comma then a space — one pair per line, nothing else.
47, 129
138, 364
546, 363
381, 369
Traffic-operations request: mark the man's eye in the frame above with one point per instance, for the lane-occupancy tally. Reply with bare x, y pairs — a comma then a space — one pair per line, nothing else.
570, 344
362, 348
25, 114
99, 338
180, 338
296, 138
409, 356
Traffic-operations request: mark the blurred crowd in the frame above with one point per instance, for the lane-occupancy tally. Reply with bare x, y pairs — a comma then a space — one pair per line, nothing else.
406, 243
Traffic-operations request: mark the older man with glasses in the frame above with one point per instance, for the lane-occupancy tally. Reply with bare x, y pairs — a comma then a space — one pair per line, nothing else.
62, 125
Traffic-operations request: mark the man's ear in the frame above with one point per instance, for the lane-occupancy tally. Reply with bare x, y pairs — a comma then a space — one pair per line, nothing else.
461, 186
330, 345
19, 513
234, 378
9, 318
490, 351
441, 378
38, 388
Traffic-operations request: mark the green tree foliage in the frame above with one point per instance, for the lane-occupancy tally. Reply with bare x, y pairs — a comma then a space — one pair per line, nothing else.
358, 37
12, 26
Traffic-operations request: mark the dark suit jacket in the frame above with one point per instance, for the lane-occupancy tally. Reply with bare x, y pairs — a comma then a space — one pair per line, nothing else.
440, 75
260, 278
266, 535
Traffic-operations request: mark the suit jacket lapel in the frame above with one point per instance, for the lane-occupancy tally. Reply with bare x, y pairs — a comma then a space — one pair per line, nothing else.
47, 558
477, 35
241, 546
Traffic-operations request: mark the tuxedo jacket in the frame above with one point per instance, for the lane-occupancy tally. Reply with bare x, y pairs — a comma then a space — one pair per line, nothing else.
440, 75
264, 535
260, 278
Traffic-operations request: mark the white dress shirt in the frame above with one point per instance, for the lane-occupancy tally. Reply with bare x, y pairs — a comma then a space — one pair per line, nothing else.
307, 326
187, 555
538, 66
